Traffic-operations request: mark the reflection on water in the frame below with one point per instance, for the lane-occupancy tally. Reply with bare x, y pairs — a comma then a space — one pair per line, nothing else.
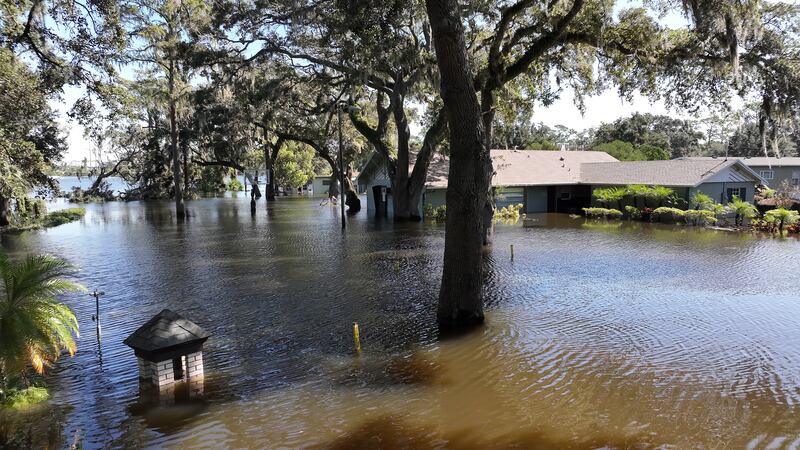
597, 335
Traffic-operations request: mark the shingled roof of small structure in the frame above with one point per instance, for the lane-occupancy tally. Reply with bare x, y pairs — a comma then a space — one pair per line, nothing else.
165, 330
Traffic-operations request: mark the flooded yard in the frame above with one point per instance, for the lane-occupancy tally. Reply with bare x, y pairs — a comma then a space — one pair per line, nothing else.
618, 335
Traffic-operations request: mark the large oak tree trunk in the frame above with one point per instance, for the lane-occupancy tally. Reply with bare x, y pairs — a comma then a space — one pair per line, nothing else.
5, 206
460, 296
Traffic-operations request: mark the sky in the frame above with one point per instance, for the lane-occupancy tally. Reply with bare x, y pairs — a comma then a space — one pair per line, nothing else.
605, 107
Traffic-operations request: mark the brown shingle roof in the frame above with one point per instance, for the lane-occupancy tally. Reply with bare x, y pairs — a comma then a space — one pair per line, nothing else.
676, 172
758, 161
527, 167
166, 329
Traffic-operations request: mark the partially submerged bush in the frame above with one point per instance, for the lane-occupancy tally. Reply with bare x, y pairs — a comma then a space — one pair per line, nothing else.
63, 216
602, 213
509, 213
699, 217
667, 213
781, 217
15, 398
633, 212
235, 185
437, 214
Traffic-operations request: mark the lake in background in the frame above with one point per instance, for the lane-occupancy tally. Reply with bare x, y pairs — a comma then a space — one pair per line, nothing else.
620, 335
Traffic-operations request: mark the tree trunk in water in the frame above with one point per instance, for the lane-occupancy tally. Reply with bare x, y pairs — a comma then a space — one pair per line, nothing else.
460, 296
185, 155
269, 164
5, 205
173, 131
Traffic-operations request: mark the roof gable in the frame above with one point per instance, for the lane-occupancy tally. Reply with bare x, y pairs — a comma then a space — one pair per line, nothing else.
165, 330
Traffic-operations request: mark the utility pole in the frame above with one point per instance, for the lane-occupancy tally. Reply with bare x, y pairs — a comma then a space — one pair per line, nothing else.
341, 165
96, 316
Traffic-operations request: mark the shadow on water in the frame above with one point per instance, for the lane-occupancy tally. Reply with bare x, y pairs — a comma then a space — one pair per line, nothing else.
392, 432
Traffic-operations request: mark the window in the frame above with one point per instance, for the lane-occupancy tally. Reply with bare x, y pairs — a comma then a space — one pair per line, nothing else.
177, 367
326, 182
767, 174
796, 178
740, 193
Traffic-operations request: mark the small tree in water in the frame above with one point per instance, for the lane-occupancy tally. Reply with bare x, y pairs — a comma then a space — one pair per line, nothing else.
34, 326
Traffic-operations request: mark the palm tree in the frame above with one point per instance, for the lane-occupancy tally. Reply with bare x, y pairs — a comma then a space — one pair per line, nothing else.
34, 326
742, 209
608, 195
782, 217
660, 193
701, 201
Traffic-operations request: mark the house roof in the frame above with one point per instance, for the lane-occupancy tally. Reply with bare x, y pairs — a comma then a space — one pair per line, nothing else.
165, 330
527, 167
676, 172
758, 161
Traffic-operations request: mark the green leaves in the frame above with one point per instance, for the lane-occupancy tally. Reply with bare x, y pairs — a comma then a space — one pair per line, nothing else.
34, 326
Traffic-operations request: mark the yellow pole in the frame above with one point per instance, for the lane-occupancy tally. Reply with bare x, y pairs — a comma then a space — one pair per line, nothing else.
356, 338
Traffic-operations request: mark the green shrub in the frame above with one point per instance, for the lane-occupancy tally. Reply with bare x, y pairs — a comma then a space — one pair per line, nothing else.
668, 213
633, 212
781, 217
235, 185
699, 217
437, 214
509, 213
21, 398
63, 216
602, 213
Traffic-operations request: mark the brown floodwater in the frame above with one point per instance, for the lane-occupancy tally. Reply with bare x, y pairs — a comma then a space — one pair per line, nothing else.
597, 335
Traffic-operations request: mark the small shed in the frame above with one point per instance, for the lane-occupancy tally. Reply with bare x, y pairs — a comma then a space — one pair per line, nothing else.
169, 348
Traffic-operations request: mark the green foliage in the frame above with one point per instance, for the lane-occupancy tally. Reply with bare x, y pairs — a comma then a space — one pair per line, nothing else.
633, 212
437, 214
602, 213
655, 136
609, 195
767, 193
667, 213
212, 179
625, 151
510, 213
30, 139
16, 399
63, 216
781, 217
294, 166
742, 210
235, 185
700, 200
699, 217
34, 326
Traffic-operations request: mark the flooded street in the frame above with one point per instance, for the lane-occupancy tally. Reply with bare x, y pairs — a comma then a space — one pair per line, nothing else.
618, 335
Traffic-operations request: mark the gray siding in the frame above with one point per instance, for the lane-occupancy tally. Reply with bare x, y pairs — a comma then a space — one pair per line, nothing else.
536, 199
718, 191
780, 175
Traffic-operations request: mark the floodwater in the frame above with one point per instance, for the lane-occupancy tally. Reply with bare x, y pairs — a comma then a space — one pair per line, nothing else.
598, 335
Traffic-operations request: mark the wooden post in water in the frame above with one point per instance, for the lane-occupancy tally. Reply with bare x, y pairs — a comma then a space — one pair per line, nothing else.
356, 338
512, 251
96, 317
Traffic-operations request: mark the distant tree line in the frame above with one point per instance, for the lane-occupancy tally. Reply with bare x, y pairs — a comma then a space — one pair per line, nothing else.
644, 136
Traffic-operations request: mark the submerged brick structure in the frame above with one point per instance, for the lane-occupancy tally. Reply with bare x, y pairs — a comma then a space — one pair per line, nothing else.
169, 349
